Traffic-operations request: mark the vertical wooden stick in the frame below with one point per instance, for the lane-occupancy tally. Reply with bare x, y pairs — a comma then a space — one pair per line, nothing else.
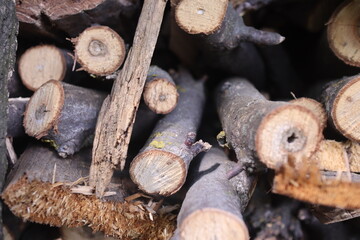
118, 112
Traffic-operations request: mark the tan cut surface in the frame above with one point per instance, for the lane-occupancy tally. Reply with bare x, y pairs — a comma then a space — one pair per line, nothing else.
99, 50
346, 108
43, 109
160, 96
210, 223
158, 172
314, 106
287, 131
40, 64
197, 16
344, 32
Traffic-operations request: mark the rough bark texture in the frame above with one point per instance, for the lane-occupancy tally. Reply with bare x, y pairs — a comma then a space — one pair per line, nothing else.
213, 206
329, 215
308, 184
160, 93
72, 17
341, 99
16, 111
8, 32
161, 166
60, 201
99, 50
117, 116
271, 131
343, 33
63, 115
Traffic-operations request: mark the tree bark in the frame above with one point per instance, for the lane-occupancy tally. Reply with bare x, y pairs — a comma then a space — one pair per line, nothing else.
342, 104
161, 166
116, 119
50, 18
343, 33
63, 115
160, 93
213, 206
329, 215
99, 50
269, 131
8, 32
16, 110
47, 189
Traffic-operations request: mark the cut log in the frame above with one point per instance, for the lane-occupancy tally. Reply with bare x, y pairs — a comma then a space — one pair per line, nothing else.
213, 206
329, 215
50, 18
338, 156
160, 93
117, 116
42, 63
220, 22
161, 166
16, 109
8, 40
16, 88
341, 99
63, 115
315, 107
99, 50
271, 131
309, 184
343, 33
62, 199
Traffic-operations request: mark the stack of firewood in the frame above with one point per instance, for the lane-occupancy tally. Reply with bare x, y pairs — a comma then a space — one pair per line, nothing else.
108, 98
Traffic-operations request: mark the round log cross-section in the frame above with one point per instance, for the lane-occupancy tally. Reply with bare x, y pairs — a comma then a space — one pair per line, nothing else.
99, 50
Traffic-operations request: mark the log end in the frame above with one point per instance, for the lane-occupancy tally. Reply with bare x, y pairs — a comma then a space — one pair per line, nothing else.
160, 96
99, 50
314, 106
196, 16
43, 109
343, 33
210, 223
40, 64
158, 172
288, 130
346, 108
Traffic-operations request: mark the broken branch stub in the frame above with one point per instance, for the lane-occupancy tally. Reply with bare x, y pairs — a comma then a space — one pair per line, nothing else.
117, 115
271, 131
161, 166
341, 99
63, 115
220, 24
99, 50
160, 93
343, 32
213, 206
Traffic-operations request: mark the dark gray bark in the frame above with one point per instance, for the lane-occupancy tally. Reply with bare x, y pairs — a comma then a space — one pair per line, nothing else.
8, 32
211, 190
16, 111
174, 138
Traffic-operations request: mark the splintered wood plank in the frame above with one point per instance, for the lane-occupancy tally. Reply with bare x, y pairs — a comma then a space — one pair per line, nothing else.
118, 112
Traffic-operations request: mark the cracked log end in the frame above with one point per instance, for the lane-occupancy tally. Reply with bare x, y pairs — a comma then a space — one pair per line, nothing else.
315, 107
289, 130
40, 64
160, 95
310, 185
338, 156
158, 172
55, 205
345, 110
43, 109
196, 16
99, 50
201, 225
343, 33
